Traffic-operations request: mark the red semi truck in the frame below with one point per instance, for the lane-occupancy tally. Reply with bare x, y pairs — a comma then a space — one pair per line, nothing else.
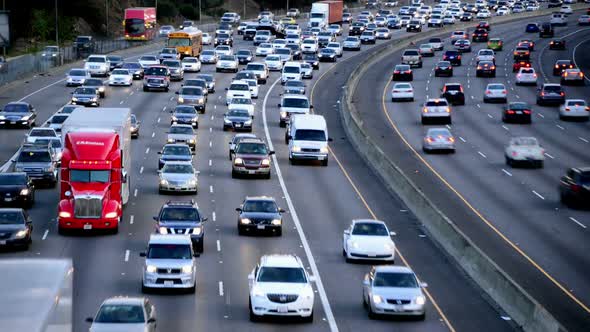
140, 23
96, 158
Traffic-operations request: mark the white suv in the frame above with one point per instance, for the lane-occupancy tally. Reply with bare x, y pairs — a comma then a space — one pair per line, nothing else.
169, 263
97, 65
280, 286
237, 88
291, 71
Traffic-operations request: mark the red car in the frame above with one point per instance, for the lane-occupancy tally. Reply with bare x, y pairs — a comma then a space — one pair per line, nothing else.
521, 64
483, 25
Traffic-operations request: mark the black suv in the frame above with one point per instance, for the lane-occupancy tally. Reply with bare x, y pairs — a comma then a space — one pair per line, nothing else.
454, 57
443, 68
574, 187
84, 46
480, 35
182, 217
244, 56
224, 39
174, 152
260, 214
546, 30
15, 228
453, 93
485, 68
550, 94
16, 189
18, 113
356, 29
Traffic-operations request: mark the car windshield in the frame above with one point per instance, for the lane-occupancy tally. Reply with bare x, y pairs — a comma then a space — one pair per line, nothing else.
241, 101
85, 91
196, 82
177, 168
78, 175
283, 51
296, 102
181, 130
527, 71
16, 108
327, 51
34, 157
58, 119
411, 53
120, 314
351, 39
525, 141
96, 59
227, 58
251, 148
395, 279
370, 229
176, 151
147, 58
292, 83
402, 67
273, 58
185, 110
180, 214
222, 36
69, 109
77, 72
243, 52
552, 88
208, 52
191, 91
436, 103
172, 63
156, 71
114, 58
282, 274
190, 60
266, 206
12, 179
169, 251
239, 87
206, 77
310, 135
93, 82
169, 51
443, 64
239, 113
120, 72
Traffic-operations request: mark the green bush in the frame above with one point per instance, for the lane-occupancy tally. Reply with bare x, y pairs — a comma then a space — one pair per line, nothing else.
189, 12
166, 9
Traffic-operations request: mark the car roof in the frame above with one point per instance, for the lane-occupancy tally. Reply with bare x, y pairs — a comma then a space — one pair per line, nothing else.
169, 239
393, 268
252, 140
280, 261
367, 221
124, 300
260, 198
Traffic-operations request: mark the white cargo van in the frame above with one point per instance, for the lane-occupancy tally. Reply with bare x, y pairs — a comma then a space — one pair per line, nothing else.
291, 105
307, 136
291, 71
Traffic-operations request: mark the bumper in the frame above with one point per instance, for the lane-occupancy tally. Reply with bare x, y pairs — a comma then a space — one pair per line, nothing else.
94, 72
237, 127
85, 103
17, 200
120, 82
253, 228
485, 73
402, 96
195, 124
87, 224
517, 117
398, 309
444, 72
14, 242
43, 177
15, 123
157, 280
384, 256
160, 86
307, 156
242, 170
176, 76
261, 306
551, 101
74, 83
438, 147
177, 188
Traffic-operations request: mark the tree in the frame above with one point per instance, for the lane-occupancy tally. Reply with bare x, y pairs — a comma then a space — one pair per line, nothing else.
41, 24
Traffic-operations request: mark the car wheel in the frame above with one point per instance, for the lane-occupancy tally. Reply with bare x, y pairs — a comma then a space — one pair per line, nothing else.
308, 319
193, 289
508, 161
267, 176
325, 162
421, 317
253, 316
372, 315
279, 232
144, 289
282, 124
234, 174
540, 164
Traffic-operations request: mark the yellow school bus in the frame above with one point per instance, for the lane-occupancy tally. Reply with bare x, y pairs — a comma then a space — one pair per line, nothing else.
187, 43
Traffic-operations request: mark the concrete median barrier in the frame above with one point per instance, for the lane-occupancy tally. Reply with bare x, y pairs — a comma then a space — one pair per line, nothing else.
512, 298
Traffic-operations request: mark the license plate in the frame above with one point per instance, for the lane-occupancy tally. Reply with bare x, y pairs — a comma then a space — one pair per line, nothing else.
282, 309
12, 122
398, 307
238, 125
168, 283
8, 199
321, 158
87, 226
2, 242
518, 112
372, 254
251, 172
260, 226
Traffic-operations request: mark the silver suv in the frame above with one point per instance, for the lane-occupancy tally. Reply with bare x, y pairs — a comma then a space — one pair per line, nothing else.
38, 162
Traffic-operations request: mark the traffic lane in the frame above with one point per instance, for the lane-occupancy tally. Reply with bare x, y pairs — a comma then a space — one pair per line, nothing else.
573, 35
334, 181
582, 56
457, 210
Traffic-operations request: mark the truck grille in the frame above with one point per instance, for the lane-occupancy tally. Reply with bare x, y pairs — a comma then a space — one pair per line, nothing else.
88, 207
310, 150
282, 298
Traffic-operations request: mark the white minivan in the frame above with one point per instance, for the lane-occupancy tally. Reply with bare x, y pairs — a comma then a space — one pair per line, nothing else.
291, 71
307, 136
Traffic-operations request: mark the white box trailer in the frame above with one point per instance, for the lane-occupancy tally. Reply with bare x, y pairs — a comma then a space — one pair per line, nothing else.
36, 295
100, 120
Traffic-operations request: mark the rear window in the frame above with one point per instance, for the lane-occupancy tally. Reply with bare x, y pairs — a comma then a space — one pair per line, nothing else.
552, 88
436, 103
527, 71
411, 52
576, 103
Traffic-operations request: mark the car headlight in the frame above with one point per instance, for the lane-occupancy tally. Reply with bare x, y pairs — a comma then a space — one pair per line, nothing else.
163, 182
24, 192
245, 221
187, 269
64, 214
192, 182
180, 100
25, 118
2, 117
191, 141
257, 292
74, 99
227, 120
265, 162
197, 230
354, 244
101, 89
111, 215
163, 230
420, 299
389, 246
174, 118
377, 299
324, 149
238, 161
296, 149
249, 122
283, 114
43, 54
151, 269
276, 222
22, 233
170, 140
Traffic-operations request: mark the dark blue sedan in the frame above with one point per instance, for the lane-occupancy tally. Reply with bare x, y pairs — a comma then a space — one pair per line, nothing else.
532, 28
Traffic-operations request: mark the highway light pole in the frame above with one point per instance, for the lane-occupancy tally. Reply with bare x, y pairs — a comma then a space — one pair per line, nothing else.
56, 26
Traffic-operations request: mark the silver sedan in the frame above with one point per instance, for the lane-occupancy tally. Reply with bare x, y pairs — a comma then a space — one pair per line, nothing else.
438, 139
178, 176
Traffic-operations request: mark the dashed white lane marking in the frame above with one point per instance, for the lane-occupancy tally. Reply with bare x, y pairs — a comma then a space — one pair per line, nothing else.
141, 170
541, 115
211, 189
503, 126
153, 134
448, 127
481, 154
560, 127
121, 102
538, 195
131, 219
132, 92
221, 288
163, 109
214, 107
171, 98
490, 116
462, 139
213, 216
159, 120
548, 155
135, 193
577, 222
210, 162
478, 105
127, 255
210, 144
506, 172
218, 245
45, 234
472, 97
517, 96
147, 150
583, 139
211, 116
210, 129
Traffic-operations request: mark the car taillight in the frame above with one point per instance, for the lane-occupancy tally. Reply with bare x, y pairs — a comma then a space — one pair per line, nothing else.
504, 91
488, 92
451, 139
542, 93
429, 139
527, 112
437, 68
396, 72
575, 188
514, 153
448, 110
556, 66
562, 93
459, 57
493, 67
408, 71
425, 110
535, 75
510, 112
396, 91
581, 74
567, 109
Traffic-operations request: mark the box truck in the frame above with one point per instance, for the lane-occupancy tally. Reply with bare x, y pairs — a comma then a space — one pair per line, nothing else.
324, 13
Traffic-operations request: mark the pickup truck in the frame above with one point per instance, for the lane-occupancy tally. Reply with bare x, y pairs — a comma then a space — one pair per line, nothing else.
412, 57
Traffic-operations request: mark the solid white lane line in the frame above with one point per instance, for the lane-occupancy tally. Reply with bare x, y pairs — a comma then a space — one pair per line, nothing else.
574, 58
541, 115
462, 139
211, 189
577, 222
218, 245
503, 126
560, 127
147, 150
135, 193
294, 216
141, 170
506, 172
127, 255
210, 162
131, 219
45, 234
221, 288
481, 154
548, 155
583, 139
43, 88
538, 195
213, 216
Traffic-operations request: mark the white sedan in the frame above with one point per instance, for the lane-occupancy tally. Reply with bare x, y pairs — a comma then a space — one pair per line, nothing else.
337, 47
495, 92
367, 239
485, 55
526, 76
121, 77
206, 38
191, 64
264, 49
402, 91
274, 62
574, 108
566, 9
483, 14
524, 150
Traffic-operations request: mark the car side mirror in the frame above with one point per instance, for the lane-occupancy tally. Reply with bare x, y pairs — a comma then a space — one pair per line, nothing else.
72, 92
347, 231
151, 320
423, 284
204, 219
330, 139
155, 218
281, 210
176, 92
392, 233
89, 320
311, 107
279, 105
251, 276
270, 153
142, 254
312, 278
239, 209
366, 282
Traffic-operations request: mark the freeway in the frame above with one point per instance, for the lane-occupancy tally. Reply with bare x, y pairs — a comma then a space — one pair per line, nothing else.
514, 215
321, 203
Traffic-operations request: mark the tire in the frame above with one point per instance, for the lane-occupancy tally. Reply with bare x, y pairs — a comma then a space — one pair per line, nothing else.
308, 319
279, 232
509, 161
193, 289
267, 176
421, 317
253, 316
145, 89
234, 174
144, 289
282, 124
371, 314
540, 164
166, 89
325, 162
